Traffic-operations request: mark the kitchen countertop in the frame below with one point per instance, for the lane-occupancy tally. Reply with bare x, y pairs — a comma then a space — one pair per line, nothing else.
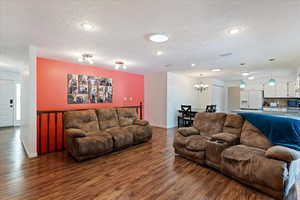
288, 113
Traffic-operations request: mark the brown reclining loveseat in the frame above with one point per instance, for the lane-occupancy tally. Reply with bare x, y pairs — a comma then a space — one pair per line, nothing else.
238, 149
92, 133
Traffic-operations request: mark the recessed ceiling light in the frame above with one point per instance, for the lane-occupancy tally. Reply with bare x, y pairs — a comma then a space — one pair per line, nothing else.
158, 38
159, 53
251, 77
245, 74
234, 30
193, 65
216, 70
87, 26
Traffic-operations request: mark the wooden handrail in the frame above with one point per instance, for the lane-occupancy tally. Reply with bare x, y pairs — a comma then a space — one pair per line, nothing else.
59, 111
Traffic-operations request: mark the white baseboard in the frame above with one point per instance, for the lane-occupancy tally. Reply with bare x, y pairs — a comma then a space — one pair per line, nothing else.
29, 154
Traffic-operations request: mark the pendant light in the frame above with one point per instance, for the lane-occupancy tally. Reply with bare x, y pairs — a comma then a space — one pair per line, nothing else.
242, 84
272, 81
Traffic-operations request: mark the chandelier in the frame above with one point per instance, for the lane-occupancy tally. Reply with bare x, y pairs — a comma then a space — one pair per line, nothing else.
200, 86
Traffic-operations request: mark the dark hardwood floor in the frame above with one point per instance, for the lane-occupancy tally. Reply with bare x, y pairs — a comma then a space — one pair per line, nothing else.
148, 171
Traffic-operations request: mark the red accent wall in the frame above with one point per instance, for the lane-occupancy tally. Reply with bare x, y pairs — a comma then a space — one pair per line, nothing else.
52, 85
52, 95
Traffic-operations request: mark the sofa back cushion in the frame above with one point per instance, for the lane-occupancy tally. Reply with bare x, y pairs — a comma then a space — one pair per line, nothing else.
253, 137
84, 119
233, 124
127, 116
107, 117
209, 123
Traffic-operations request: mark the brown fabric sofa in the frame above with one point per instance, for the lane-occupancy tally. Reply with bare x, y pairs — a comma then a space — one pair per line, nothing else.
238, 149
92, 133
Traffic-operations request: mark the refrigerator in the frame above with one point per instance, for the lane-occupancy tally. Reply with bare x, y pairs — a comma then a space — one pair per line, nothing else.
251, 99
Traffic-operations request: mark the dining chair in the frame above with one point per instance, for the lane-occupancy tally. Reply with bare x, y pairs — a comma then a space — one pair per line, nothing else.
211, 108
186, 116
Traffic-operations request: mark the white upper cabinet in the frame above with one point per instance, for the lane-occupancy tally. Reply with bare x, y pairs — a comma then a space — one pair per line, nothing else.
269, 91
292, 89
281, 88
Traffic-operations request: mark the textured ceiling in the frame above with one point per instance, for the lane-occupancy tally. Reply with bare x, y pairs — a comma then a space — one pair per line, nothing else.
197, 31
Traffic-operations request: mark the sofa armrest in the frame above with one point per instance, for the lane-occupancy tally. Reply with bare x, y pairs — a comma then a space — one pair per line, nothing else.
75, 133
141, 122
226, 137
188, 131
282, 153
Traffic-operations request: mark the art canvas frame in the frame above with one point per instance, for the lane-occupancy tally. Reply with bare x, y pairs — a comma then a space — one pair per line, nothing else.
84, 89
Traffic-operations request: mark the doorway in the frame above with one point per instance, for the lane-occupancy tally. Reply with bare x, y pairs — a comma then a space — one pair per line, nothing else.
10, 105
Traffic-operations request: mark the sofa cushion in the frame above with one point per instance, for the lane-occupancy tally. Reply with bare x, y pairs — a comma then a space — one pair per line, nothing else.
233, 124
141, 122
227, 137
282, 153
127, 116
107, 118
209, 123
250, 165
94, 145
251, 136
83, 119
121, 137
187, 131
140, 133
196, 143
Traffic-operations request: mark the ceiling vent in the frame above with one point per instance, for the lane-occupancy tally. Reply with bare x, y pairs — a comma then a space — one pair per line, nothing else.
225, 54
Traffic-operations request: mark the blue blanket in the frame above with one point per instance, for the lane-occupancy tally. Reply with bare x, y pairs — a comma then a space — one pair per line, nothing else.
279, 130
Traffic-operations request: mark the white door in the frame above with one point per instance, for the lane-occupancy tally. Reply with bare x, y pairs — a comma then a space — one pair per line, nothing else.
7, 99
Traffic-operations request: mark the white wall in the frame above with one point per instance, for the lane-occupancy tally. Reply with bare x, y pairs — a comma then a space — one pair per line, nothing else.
28, 104
155, 88
180, 91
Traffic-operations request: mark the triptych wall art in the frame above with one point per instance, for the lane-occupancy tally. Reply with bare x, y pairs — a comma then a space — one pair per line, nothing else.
84, 89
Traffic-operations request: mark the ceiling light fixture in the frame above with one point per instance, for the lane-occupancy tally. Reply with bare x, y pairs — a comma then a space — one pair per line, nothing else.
245, 74
158, 38
251, 77
159, 53
234, 30
216, 70
87, 26
242, 64
193, 65
120, 64
201, 86
86, 58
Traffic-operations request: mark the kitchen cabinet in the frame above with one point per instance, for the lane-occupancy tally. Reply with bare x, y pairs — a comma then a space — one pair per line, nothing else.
269, 91
281, 89
292, 89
